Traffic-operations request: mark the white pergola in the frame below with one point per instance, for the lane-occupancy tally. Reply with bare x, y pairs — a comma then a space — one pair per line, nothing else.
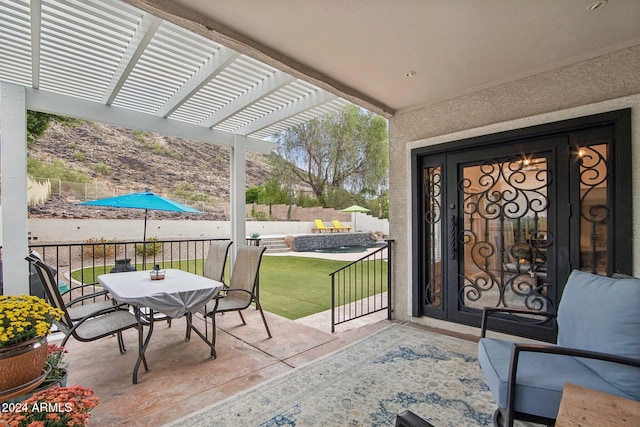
107, 61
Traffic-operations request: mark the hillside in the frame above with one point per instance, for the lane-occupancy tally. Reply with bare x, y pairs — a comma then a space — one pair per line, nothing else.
138, 160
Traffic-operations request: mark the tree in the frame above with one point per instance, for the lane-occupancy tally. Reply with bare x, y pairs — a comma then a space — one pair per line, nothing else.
37, 124
347, 149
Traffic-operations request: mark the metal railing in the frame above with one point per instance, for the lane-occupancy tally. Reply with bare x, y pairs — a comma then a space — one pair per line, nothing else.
81, 263
362, 287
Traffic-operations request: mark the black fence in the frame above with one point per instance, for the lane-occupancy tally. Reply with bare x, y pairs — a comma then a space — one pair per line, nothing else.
362, 287
81, 263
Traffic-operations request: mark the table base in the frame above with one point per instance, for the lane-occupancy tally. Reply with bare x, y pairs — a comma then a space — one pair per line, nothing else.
149, 320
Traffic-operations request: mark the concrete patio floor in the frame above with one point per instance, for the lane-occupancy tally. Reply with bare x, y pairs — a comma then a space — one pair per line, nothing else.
182, 378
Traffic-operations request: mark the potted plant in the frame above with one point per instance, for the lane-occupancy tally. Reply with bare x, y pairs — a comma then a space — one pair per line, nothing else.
53, 407
57, 374
25, 321
58, 366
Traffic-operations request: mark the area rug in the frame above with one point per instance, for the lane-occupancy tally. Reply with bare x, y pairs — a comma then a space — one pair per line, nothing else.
366, 384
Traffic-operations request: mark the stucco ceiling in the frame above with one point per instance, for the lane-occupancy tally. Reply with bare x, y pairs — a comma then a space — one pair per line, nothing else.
454, 47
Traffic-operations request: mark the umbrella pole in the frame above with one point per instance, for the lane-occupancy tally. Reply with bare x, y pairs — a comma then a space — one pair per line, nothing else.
144, 242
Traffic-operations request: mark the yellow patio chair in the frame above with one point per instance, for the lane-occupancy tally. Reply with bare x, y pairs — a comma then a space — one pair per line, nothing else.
338, 226
321, 227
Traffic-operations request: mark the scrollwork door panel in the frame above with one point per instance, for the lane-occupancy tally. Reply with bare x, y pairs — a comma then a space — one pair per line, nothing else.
503, 225
504, 234
507, 217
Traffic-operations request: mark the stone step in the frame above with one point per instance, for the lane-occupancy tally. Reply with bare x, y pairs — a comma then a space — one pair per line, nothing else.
278, 250
272, 239
275, 244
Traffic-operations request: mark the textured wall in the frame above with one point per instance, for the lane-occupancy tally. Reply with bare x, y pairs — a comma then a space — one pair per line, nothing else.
312, 242
605, 83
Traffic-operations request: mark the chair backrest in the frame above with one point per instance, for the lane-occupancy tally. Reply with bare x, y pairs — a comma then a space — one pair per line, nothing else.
216, 260
601, 314
51, 289
319, 224
246, 269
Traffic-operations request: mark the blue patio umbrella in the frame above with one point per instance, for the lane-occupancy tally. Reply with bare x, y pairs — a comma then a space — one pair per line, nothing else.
145, 200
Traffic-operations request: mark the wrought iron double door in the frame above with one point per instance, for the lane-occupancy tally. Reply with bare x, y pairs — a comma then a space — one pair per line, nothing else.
504, 226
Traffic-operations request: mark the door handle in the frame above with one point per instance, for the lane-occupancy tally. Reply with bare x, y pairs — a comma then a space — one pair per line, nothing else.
453, 227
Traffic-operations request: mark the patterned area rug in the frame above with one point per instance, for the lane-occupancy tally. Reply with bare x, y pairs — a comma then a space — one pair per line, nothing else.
366, 384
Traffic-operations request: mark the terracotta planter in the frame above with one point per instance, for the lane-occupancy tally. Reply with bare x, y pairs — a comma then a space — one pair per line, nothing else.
48, 383
22, 363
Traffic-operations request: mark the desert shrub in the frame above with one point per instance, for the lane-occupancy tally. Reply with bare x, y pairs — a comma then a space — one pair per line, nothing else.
79, 156
188, 192
150, 248
306, 201
259, 216
55, 170
108, 248
101, 168
157, 148
140, 135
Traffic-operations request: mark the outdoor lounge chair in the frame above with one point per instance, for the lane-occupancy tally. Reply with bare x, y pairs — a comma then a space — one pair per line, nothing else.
100, 323
320, 227
241, 292
338, 226
598, 347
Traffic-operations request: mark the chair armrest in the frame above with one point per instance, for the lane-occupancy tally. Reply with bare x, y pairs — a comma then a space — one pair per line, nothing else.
87, 296
518, 348
408, 419
487, 311
230, 290
226, 292
92, 285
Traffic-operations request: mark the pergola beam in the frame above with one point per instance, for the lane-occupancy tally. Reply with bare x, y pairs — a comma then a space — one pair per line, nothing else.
39, 100
275, 82
214, 66
36, 25
308, 102
139, 42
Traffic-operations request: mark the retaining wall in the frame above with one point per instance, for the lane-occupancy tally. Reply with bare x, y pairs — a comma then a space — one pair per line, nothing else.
310, 242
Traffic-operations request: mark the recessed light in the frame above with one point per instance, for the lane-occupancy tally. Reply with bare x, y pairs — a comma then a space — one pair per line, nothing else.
410, 74
596, 5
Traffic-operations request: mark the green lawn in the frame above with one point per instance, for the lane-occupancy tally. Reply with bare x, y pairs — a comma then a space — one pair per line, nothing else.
295, 287
290, 286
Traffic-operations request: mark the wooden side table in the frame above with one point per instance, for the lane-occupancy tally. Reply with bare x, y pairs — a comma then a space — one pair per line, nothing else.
584, 407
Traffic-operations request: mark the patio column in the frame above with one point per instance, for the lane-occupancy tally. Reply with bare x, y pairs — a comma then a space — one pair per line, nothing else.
13, 161
237, 193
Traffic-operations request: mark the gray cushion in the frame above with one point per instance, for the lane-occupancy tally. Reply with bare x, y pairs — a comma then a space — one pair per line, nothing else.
540, 377
603, 314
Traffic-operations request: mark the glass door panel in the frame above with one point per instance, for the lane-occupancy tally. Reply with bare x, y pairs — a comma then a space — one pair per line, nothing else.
504, 233
594, 208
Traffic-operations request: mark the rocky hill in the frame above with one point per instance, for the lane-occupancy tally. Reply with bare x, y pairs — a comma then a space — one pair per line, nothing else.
134, 161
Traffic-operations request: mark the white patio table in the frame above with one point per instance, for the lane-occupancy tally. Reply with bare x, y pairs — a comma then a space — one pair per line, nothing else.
179, 294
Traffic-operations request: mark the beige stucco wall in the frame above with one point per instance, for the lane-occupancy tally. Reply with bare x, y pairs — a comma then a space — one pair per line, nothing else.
606, 83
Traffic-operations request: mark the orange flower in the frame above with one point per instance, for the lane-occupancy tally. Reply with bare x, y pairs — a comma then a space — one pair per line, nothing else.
61, 407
